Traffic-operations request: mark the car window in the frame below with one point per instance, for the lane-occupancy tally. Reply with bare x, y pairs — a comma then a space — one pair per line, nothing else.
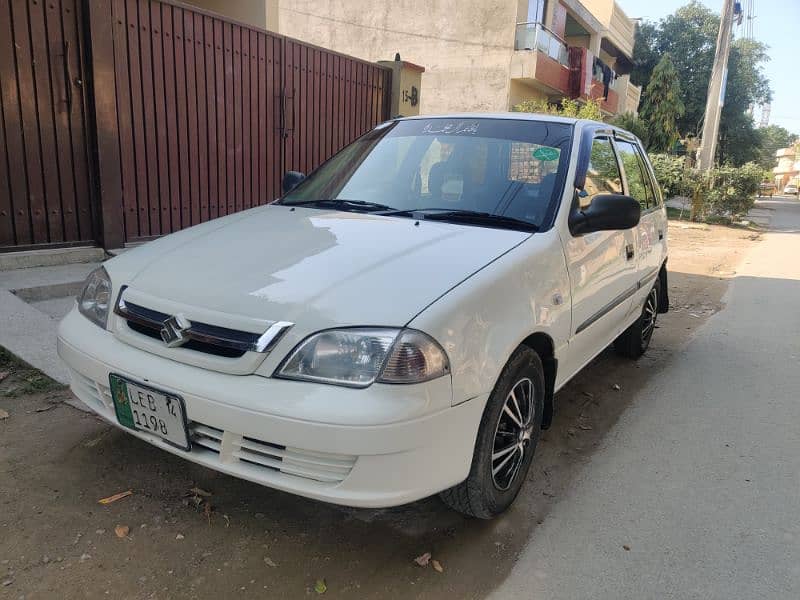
650, 179
638, 185
602, 176
500, 167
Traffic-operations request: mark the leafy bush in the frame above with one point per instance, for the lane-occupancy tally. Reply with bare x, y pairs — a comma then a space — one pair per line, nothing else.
732, 190
567, 108
725, 191
632, 123
672, 175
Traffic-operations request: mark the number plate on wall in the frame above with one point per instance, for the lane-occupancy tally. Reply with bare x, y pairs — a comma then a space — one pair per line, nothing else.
145, 409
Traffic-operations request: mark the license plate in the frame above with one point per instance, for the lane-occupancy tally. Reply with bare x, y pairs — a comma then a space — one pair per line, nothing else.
142, 408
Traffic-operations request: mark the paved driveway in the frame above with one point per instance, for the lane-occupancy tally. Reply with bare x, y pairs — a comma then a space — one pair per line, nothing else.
696, 492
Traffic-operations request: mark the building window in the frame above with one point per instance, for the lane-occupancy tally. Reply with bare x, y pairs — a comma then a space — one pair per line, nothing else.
536, 11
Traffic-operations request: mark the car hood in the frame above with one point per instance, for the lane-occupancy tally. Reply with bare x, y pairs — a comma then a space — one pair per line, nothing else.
316, 268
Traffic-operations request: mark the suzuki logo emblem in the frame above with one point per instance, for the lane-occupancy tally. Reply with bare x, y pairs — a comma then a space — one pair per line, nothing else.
172, 330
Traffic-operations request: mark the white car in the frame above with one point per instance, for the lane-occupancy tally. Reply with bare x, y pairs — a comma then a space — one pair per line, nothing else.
790, 189
397, 324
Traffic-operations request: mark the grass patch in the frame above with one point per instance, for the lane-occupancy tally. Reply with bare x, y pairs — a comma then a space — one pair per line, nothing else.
677, 214
22, 379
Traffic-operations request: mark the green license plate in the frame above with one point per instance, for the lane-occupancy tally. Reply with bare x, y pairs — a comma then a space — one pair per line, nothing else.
142, 408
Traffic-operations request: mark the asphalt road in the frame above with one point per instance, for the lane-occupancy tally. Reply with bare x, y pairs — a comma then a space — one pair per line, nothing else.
696, 491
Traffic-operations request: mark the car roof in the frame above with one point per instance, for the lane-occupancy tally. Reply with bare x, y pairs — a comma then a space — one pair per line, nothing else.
516, 116
522, 116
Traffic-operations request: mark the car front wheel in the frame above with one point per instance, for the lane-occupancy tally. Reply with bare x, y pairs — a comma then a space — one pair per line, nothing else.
506, 442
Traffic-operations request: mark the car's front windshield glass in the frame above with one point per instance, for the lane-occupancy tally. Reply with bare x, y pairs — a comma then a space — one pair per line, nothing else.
505, 167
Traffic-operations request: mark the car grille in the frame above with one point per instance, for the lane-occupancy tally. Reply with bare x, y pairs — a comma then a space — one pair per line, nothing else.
149, 322
96, 395
318, 466
195, 335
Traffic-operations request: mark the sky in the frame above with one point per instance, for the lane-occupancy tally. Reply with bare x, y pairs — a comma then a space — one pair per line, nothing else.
777, 24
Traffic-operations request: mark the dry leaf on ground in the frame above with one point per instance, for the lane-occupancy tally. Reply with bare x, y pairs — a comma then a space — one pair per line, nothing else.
115, 497
320, 586
4, 374
437, 566
3, 414
423, 559
200, 492
269, 562
122, 531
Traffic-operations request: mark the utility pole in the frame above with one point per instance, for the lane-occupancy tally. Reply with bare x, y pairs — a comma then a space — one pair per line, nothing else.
716, 90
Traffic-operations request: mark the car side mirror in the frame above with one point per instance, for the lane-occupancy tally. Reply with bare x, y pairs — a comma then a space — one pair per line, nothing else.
291, 180
607, 212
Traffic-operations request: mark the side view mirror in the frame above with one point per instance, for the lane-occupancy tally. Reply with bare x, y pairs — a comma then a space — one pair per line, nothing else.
291, 180
607, 212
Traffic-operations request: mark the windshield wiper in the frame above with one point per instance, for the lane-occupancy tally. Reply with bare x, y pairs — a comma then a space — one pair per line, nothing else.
458, 215
341, 203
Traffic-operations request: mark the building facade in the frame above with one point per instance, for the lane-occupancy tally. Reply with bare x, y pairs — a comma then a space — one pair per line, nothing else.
479, 55
788, 168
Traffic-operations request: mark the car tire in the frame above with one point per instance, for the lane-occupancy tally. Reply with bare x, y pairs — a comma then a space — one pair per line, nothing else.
633, 342
506, 441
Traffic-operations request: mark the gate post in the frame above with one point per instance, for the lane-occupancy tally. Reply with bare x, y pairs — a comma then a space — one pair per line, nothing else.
107, 196
406, 84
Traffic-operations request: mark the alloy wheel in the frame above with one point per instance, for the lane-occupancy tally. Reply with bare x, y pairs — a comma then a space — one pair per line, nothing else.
649, 315
512, 438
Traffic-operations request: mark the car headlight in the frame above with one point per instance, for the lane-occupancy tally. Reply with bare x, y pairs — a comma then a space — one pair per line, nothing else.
94, 299
360, 356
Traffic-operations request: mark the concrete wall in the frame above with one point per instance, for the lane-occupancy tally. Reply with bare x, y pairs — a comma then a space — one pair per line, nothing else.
258, 13
519, 92
620, 28
464, 45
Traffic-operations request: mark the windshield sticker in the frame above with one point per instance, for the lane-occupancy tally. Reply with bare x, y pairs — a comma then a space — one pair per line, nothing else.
545, 153
452, 127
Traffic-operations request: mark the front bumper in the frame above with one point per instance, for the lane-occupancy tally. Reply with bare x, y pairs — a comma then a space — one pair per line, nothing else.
378, 447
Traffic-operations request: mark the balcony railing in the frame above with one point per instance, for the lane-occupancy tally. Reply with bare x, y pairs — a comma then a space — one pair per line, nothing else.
535, 36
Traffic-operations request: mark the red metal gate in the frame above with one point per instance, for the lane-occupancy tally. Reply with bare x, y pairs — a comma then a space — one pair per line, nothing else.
331, 99
211, 113
45, 174
188, 116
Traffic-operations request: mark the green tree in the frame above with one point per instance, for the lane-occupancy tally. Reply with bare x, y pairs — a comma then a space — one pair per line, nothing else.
739, 141
662, 106
771, 139
690, 36
630, 122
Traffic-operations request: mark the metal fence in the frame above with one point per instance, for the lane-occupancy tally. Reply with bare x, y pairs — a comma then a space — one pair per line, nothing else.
45, 185
211, 112
130, 119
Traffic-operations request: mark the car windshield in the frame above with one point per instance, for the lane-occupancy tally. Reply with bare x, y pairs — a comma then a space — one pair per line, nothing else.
450, 168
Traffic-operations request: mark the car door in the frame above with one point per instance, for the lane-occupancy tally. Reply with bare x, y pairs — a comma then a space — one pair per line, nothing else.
601, 265
650, 233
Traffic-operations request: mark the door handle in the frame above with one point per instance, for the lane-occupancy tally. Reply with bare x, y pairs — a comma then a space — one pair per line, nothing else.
67, 76
629, 251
